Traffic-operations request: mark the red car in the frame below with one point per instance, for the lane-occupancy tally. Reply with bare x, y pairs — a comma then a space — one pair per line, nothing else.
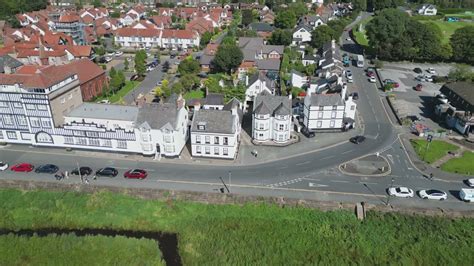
136, 174
22, 167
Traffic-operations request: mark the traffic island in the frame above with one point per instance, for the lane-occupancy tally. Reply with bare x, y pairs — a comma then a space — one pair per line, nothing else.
370, 165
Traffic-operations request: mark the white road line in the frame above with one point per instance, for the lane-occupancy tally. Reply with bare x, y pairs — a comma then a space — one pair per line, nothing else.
307, 162
328, 157
347, 151
340, 181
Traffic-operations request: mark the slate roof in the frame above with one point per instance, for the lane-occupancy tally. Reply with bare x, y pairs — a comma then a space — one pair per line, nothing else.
302, 26
326, 99
6, 60
105, 111
206, 59
311, 57
214, 99
465, 91
270, 104
215, 121
268, 64
262, 77
259, 26
158, 115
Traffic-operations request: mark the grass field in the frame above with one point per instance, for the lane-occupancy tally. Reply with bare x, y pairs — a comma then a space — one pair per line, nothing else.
117, 97
73, 250
448, 28
436, 150
360, 36
194, 94
252, 234
462, 165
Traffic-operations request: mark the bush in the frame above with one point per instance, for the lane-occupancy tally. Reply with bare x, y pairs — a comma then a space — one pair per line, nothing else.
421, 17
440, 79
378, 64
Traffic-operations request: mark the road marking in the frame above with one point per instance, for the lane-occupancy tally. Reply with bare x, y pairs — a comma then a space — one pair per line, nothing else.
340, 181
328, 157
312, 179
390, 157
347, 151
316, 185
307, 162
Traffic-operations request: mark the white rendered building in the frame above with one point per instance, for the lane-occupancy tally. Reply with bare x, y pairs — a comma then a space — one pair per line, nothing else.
271, 119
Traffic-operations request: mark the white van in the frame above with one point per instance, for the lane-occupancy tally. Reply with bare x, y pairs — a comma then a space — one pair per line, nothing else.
467, 194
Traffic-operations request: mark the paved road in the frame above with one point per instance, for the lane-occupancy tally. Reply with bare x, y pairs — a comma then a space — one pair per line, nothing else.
290, 177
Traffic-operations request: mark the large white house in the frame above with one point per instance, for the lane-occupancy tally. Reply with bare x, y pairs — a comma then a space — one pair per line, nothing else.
328, 111
216, 133
154, 37
257, 84
271, 120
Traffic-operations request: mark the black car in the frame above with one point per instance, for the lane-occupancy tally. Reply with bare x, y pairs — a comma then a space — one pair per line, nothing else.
308, 133
357, 139
417, 70
355, 95
47, 168
107, 171
84, 170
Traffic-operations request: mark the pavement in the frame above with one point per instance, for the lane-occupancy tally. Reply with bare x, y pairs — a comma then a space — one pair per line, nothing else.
296, 171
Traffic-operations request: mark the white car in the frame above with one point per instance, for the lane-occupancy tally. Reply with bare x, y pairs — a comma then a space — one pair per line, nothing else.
433, 194
372, 79
108, 59
401, 192
470, 182
110, 54
118, 53
348, 39
431, 71
420, 78
3, 166
104, 102
428, 78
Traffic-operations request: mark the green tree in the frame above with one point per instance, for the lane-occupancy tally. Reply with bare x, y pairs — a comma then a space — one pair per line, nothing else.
158, 92
247, 17
189, 66
125, 64
285, 19
189, 82
205, 38
228, 57
112, 72
140, 67
281, 37
461, 72
165, 88
321, 35
177, 88
309, 70
462, 43
97, 3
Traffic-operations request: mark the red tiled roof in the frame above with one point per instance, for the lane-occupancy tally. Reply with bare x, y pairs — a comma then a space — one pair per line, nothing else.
23, 53
79, 50
129, 32
200, 25
180, 34
69, 18
85, 69
161, 19
88, 19
37, 76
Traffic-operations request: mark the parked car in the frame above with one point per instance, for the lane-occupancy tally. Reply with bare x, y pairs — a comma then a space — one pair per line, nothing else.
467, 194
392, 82
469, 182
308, 133
417, 70
101, 60
3, 166
428, 78
419, 87
118, 53
83, 170
105, 101
22, 167
372, 79
420, 78
357, 139
107, 171
355, 96
431, 71
110, 54
47, 168
108, 59
400, 192
134, 77
442, 98
136, 174
434, 194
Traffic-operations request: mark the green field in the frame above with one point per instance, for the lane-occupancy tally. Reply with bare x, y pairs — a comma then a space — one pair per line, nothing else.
359, 33
251, 234
448, 28
462, 165
436, 150
117, 97
73, 250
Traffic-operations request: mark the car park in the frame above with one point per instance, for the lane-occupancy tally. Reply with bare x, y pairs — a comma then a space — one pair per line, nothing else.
22, 167
308, 133
433, 194
469, 182
135, 174
467, 194
107, 171
400, 192
3, 166
47, 168
83, 170
372, 79
357, 139
417, 70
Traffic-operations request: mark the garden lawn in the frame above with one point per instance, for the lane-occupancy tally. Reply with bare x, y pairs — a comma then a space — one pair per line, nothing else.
78, 250
117, 97
463, 165
448, 28
251, 234
360, 36
436, 150
194, 94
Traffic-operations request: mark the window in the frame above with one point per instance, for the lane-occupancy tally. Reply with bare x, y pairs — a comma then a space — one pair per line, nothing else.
225, 151
198, 149
22, 121
216, 140
4, 104
319, 124
198, 139
208, 150
11, 135
46, 123
30, 107
280, 137
208, 139
332, 123
320, 114
92, 134
169, 148
167, 139
216, 150
81, 141
17, 105
7, 120
333, 114
260, 135
94, 142
321, 108
261, 126
79, 133
281, 127
107, 143
353, 108
42, 107
1, 134
121, 144
334, 107
226, 141
68, 140
261, 116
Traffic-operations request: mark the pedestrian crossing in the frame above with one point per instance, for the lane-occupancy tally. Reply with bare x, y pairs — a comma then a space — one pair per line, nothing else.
286, 183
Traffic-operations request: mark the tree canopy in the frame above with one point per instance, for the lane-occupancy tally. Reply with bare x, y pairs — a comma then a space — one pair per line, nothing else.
321, 35
281, 37
228, 57
285, 19
140, 57
462, 43
189, 66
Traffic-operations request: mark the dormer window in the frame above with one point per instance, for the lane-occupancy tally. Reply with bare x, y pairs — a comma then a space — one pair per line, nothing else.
201, 126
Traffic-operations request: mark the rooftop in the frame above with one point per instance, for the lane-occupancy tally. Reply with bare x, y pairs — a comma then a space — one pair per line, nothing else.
214, 121
105, 111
